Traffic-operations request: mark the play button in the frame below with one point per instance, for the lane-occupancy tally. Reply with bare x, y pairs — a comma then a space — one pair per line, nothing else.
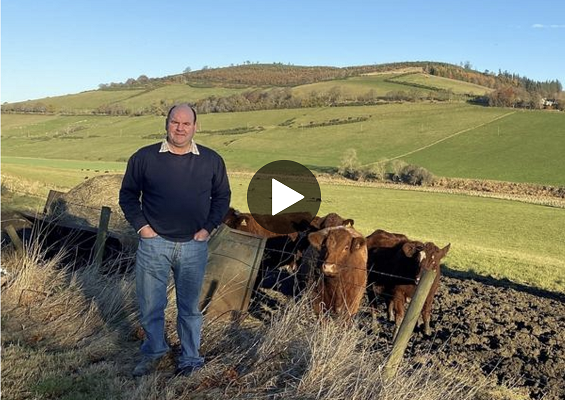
284, 197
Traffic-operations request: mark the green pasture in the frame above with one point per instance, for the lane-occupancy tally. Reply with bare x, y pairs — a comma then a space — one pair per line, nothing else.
449, 139
88, 100
489, 237
458, 87
357, 86
133, 98
176, 94
526, 146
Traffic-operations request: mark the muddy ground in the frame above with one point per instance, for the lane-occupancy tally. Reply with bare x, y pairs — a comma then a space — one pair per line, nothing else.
511, 332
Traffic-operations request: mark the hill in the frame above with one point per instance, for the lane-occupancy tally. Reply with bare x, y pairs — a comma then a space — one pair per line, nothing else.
143, 96
449, 139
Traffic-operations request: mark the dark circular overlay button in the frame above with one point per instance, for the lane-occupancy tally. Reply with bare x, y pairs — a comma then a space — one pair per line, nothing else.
284, 197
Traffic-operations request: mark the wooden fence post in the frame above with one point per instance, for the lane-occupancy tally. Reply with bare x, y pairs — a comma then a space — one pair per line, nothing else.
101, 235
408, 323
18, 245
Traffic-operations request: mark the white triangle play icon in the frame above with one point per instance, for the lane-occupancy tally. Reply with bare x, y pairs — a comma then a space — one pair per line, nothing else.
282, 197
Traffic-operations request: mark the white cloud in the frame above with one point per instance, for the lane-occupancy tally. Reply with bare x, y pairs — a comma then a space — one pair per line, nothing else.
552, 26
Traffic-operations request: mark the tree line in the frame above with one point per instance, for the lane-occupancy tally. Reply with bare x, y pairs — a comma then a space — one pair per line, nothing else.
273, 84
510, 90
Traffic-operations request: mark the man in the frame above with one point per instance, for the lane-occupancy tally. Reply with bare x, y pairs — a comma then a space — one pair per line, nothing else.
174, 194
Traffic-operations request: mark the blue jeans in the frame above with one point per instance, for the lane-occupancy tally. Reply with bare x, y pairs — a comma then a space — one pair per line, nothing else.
154, 260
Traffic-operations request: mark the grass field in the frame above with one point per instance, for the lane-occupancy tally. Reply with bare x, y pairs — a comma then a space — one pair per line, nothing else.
522, 242
526, 146
499, 238
133, 98
357, 86
177, 94
458, 87
88, 100
489, 237
455, 140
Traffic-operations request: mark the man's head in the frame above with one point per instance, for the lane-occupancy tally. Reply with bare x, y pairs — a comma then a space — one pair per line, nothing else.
181, 126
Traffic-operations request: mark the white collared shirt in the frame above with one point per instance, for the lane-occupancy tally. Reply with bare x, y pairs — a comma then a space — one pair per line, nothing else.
166, 148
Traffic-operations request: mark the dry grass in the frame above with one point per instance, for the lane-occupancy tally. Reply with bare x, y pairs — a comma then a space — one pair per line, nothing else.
72, 334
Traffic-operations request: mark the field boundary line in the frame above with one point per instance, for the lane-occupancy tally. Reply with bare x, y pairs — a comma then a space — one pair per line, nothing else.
445, 138
529, 199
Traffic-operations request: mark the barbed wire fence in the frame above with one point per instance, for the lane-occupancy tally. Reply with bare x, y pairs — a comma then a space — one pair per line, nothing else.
289, 271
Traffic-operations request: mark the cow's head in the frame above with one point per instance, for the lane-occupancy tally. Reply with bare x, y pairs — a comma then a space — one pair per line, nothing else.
434, 255
231, 217
336, 246
331, 220
414, 254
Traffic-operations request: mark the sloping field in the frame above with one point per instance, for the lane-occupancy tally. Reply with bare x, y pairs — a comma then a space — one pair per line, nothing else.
132, 99
455, 140
458, 87
438, 82
86, 100
526, 146
383, 83
357, 86
385, 132
176, 94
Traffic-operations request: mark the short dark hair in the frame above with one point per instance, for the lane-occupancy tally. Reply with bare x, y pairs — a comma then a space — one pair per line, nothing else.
179, 105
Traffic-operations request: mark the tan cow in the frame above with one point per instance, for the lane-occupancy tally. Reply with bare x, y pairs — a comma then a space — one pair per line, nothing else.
337, 265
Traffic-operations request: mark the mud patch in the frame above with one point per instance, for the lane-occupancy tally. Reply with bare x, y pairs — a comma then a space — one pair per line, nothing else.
514, 334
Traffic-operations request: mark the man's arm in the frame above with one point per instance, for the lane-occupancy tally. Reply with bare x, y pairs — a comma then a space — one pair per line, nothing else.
130, 194
221, 195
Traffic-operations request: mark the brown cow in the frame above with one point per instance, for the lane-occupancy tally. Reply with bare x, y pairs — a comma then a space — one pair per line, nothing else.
268, 226
336, 263
331, 220
280, 249
395, 269
382, 239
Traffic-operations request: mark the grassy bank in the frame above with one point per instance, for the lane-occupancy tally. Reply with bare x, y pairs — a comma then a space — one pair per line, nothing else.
73, 335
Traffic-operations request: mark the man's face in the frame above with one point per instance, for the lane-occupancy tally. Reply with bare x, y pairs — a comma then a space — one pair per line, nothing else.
181, 128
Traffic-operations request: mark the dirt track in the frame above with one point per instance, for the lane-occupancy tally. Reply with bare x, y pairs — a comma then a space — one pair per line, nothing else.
517, 333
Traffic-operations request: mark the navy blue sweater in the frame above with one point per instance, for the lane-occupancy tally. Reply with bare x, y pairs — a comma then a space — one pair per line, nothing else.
177, 195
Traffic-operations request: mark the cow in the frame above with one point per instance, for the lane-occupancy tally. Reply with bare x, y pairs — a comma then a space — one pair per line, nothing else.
395, 265
280, 248
269, 226
335, 266
383, 239
331, 220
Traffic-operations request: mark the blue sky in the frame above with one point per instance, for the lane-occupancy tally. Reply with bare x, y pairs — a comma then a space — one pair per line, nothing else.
58, 47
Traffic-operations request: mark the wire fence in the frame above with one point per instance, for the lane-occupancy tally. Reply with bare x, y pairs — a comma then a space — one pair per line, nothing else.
281, 262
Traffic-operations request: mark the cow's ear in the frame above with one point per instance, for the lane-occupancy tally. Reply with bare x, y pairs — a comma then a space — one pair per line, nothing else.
410, 248
316, 239
349, 222
445, 250
317, 222
357, 243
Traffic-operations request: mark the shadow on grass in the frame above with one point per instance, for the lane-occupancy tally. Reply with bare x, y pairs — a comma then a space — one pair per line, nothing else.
504, 283
323, 169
